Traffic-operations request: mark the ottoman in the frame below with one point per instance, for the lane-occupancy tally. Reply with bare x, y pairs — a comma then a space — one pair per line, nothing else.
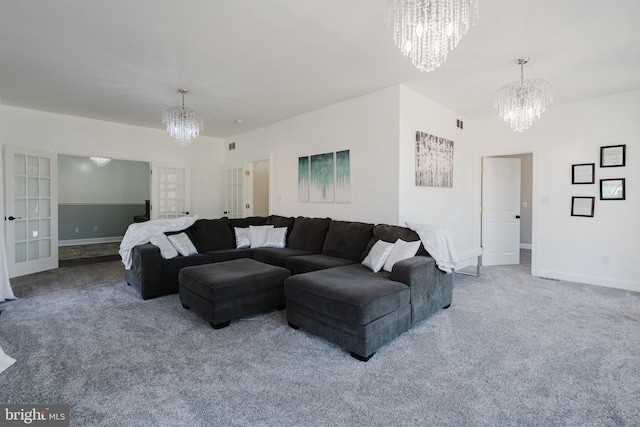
224, 291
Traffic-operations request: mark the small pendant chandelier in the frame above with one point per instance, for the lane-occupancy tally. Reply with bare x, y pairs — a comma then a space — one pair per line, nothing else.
184, 124
520, 103
100, 161
426, 30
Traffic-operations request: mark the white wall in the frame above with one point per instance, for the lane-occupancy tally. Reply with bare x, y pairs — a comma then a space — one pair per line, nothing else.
80, 181
79, 136
566, 247
447, 207
368, 126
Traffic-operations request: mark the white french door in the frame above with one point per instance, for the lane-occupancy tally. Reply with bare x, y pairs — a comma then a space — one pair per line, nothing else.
500, 211
31, 209
235, 193
170, 189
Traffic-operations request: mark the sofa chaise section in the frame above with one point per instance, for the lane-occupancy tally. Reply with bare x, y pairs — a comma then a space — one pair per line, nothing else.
349, 306
361, 310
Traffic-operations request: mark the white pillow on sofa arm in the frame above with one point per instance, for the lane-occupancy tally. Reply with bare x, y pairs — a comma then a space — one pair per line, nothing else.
401, 250
183, 244
166, 248
378, 255
276, 238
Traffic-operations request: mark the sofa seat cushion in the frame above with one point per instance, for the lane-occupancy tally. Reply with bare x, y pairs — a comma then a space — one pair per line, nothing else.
352, 294
347, 239
231, 254
276, 256
171, 267
307, 263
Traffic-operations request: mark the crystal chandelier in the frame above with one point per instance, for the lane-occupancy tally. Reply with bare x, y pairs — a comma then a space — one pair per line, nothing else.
519, 103
100, 161
184, 124
426, 30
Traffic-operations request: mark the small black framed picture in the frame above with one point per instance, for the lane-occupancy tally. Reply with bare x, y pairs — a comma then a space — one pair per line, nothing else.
612, 189
613, 156
582, 206
583, 173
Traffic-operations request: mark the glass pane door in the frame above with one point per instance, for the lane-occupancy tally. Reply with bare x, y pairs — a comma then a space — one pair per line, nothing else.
235, 194
171, 188
32, 208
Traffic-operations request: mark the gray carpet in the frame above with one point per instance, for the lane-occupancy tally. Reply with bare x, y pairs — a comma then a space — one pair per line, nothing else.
512, 350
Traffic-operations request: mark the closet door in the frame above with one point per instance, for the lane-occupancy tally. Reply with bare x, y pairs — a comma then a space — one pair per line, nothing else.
170, 191
31, 221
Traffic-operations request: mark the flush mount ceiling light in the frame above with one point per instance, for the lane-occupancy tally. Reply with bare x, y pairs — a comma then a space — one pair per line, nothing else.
520, 103
426, 30
100, 161
184, 124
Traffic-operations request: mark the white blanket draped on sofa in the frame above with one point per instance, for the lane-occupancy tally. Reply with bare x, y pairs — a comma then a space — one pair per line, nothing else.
439, 243
140, 232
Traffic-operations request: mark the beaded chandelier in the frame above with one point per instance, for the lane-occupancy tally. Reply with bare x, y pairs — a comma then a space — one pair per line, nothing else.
520, 103
184, 124
426, 30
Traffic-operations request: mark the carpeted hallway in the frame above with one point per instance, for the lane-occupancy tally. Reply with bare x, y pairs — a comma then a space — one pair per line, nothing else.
513, 350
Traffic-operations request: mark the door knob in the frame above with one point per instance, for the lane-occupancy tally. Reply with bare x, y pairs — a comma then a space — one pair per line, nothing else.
517, 216
11, 218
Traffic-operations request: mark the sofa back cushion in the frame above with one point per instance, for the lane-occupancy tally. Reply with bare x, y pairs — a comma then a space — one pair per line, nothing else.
391, 233
281, 221
347, 239
211, 234
245, 222
308, 234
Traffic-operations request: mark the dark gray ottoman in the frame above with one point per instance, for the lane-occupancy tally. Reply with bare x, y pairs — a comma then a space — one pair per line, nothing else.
228, 290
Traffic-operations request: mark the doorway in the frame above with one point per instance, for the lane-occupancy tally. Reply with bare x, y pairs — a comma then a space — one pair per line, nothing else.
511, 214
96, 204
260, 182
248, 190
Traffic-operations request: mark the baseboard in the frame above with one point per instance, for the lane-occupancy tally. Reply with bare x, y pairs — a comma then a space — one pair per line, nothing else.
589, 280
76, 242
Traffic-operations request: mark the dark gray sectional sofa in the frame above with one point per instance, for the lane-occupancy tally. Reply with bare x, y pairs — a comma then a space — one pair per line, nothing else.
330, 293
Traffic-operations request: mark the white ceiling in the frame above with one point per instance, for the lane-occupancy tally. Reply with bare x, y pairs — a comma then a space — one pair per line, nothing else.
263, 61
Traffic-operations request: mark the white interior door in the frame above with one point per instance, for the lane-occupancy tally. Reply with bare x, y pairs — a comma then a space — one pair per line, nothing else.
31, 209
235, 193
170, 189
500, 211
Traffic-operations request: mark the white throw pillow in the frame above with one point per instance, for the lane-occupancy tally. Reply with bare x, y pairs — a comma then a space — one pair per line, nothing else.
401, 250
166, 248
276, 238
378, 255
243, 237
183, 244
258, 235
